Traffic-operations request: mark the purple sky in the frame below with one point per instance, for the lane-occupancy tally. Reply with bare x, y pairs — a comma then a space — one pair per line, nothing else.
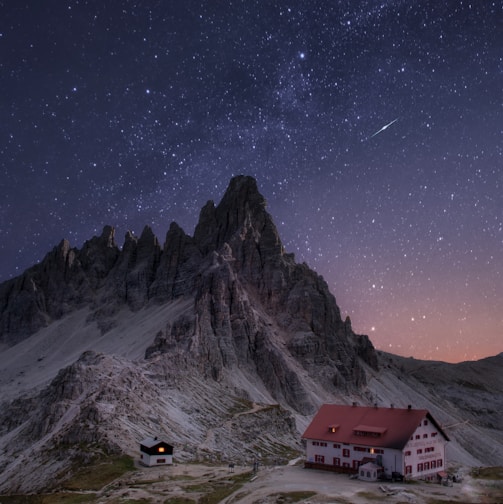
373, 128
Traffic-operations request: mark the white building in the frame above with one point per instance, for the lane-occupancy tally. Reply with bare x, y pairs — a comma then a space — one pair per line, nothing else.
154, 452
369, 472
407, 442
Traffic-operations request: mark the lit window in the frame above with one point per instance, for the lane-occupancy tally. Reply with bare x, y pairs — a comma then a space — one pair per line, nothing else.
161, 449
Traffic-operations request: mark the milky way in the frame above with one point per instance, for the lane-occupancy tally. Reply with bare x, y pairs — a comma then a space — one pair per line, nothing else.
133, 113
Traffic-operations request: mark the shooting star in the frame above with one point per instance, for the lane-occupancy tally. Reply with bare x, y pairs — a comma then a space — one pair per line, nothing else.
383, 128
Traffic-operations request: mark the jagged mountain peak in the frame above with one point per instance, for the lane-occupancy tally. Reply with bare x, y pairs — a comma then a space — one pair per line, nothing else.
240, 214
175, 338
253, 306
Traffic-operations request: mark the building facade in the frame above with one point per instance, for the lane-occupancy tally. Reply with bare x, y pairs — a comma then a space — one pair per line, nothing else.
403, 442
154, 452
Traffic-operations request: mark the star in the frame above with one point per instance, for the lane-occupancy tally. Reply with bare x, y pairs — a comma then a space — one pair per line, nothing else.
164, 105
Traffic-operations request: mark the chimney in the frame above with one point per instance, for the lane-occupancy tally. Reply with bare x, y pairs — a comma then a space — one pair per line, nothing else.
355, 404
375, 405
409, 407
392, 406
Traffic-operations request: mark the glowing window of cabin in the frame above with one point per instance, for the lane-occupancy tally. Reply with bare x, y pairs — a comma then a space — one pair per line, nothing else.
161, 449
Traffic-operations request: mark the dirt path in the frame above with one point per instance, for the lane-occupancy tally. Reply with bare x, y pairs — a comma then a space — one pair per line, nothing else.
209, 439
274, 484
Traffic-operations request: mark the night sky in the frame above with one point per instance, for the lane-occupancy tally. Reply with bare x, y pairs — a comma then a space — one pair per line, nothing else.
374, 130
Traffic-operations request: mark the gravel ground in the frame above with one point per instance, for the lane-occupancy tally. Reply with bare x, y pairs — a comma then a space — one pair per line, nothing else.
274, 484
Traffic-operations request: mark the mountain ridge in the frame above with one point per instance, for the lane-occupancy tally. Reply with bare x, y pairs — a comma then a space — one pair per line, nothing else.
103, 346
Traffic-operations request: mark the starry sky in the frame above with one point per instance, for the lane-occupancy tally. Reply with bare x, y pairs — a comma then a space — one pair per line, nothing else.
374, 129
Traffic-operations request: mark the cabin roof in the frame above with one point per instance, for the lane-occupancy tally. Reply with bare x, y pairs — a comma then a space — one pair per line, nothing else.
149, 442
367, 426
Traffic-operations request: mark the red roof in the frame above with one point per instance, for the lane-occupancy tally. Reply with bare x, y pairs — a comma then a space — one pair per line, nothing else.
364, 425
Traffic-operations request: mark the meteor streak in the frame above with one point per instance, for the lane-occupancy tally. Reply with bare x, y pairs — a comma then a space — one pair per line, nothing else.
383, 128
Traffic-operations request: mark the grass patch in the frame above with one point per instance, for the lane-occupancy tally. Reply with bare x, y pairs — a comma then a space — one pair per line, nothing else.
215, 491
372, 496
99, 474
240, 406
488, 473
470, 385
291, 497
450, 501
182, 477
135, 501
179, 500
56, 498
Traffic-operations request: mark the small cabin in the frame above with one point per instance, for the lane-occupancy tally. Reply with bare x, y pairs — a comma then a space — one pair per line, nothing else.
369, 472
155, 452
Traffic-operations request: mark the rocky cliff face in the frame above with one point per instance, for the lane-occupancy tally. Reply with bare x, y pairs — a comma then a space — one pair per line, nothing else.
254, 307
104, 405
219, 342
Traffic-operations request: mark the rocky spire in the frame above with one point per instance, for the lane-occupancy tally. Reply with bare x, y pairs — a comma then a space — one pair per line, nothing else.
253, 306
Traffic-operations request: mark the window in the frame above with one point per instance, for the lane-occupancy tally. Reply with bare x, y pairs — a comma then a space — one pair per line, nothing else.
345, 452
420, 467
429, 449
337, 445
360, 449
345, 464
376, 450
320, 459
425, 422
425, 436
160, 449
356, 464
426, 466
439, 463
408, 469
407, 453
418, 436
419, 451
161, 461
337, 461
433, 434
433, 464
323, 444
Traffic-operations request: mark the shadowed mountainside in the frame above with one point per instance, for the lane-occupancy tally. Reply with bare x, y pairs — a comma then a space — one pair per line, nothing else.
219, 342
